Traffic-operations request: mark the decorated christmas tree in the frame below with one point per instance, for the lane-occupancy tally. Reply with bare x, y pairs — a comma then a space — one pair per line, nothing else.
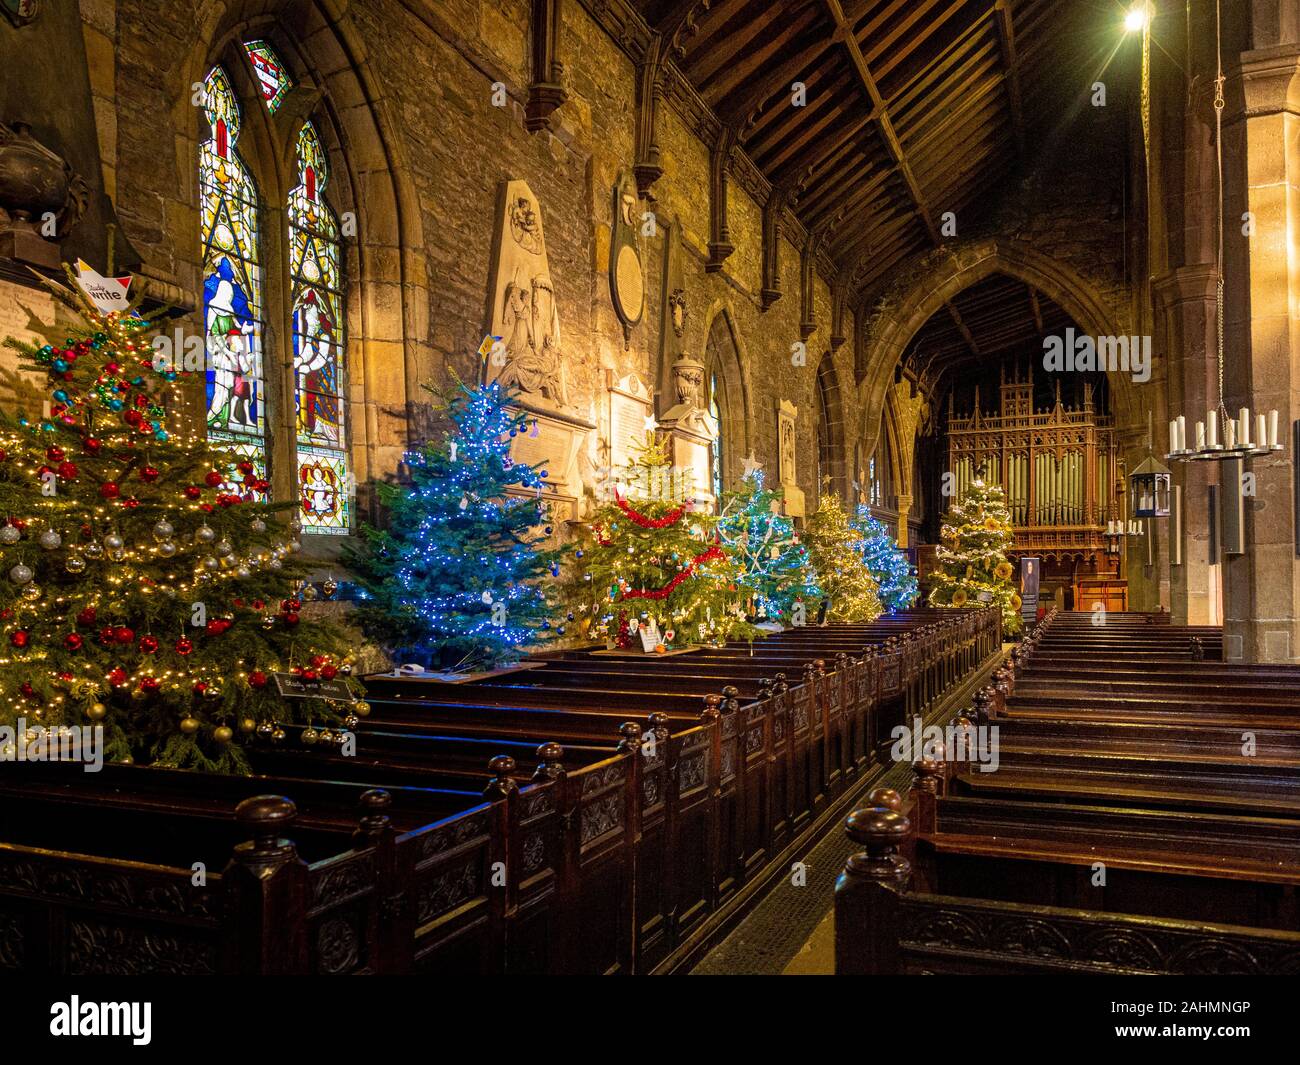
774, 572
842, 576
143, 586
886, 561
457, 580
974, 570
652, 562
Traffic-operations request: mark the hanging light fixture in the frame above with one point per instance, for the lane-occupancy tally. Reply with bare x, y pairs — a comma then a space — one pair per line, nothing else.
1221, 436
1150, 485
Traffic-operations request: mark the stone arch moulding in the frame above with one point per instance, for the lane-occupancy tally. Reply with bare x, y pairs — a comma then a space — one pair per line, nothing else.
828, 383
732, 360
921, 291
389, 352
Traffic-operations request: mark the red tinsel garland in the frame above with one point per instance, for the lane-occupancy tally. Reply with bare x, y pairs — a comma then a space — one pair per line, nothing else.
664, 592
671, 518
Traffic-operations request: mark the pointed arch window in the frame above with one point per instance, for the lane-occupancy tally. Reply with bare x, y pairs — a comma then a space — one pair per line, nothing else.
715, 412
232, 281
315, 269
272, 78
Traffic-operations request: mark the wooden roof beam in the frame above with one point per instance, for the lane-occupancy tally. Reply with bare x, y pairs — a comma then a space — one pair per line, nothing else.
880, 112
1002, 17
966, 334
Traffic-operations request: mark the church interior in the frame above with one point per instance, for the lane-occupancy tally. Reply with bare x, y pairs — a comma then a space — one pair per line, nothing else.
765, 487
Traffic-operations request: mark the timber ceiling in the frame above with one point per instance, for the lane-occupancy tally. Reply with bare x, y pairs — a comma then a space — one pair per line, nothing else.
914, 107
978, 325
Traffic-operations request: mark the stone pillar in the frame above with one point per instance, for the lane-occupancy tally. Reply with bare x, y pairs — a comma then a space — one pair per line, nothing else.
1262, 334
904, 508
1184, 299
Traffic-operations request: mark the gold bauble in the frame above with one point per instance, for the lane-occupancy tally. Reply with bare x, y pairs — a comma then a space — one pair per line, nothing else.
223, 734
96, 711
361, 709
189, 725
247, 725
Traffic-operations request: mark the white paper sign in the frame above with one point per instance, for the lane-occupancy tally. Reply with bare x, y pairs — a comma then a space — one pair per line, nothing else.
650, 638
108, 294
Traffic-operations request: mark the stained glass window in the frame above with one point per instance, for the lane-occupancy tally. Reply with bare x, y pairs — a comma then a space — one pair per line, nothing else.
232, 281
318, 344
271, 75
715, 410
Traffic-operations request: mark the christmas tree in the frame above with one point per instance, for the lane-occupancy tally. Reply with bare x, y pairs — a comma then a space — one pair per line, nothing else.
143, 587
652, 560
974, 570
886, 561
773, 564
457, 578
841, 574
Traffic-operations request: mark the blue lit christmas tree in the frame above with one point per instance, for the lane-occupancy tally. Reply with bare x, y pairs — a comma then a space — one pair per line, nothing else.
456, 579
887, 562
773, 563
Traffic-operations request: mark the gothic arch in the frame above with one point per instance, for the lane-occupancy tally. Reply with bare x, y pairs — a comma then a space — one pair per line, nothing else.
830, 431
920, 292
387, 302
724, 353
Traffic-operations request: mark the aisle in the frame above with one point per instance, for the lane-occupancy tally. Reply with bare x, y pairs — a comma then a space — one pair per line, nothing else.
791, 931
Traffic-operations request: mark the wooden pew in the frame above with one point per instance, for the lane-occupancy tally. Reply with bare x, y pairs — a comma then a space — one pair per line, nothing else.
884, 925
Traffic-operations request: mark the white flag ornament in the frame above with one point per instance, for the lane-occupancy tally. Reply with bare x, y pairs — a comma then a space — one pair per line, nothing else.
108, 294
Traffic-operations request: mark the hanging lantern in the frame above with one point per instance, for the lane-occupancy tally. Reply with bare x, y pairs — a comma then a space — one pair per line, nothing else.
1149, 490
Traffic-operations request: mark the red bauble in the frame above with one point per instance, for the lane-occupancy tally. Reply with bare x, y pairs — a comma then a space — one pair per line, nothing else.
149, 684
87, 617
54, 454
200, 687
329, 672
184, 645
73, 641
291, 618
244, 467
27, 690
148, 644
212, 478
124, 635
257, 679
308, 674
131, 417
107, 636
193, 491
130, 504
109, 490
149, 474
93, 445
20, 638
3, 454
318, 660
117, 677
259, 604
68, 471
217, 626
207, 508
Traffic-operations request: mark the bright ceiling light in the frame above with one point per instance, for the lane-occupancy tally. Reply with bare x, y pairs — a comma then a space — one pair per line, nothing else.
1136, 19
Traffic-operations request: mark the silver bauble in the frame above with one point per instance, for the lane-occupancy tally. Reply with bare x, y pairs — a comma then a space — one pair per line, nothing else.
50, 540
223, 548
164, 530
275, 564
21, 574
210, 562
258, 526
93, 550
10, 535
167, 549
114, 542
117, 555
243, 572
204, 534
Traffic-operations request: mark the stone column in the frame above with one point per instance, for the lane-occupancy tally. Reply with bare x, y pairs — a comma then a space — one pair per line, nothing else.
1184, 299
1262, 333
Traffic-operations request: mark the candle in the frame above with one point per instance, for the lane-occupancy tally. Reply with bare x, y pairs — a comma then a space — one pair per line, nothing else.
1212, 430
1261, 431
1230, 434
1182, 432
1200, 436
1272, 430
1173, 435
1243, 430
